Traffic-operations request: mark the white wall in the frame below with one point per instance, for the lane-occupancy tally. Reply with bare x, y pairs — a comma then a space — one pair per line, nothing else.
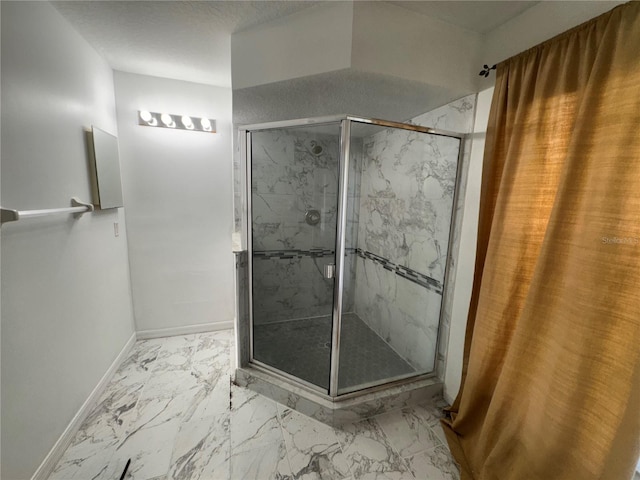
66, 303
392, 40
373, 37
314, 41
467, 252
177, 192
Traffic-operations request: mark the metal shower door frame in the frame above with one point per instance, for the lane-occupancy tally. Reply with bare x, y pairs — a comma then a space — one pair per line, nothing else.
340, 248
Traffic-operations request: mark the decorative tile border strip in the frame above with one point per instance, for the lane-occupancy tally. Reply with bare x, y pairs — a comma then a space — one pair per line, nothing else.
286, 254
400, 270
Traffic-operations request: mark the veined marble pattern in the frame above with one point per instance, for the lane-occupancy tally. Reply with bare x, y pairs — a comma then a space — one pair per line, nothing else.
287, 179
404, 314
293, 171
406, 194
242, 309
286, 289
408, 181
172, 409
457, 116
406, 199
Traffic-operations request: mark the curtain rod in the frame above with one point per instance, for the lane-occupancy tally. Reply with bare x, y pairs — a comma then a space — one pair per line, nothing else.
486, 70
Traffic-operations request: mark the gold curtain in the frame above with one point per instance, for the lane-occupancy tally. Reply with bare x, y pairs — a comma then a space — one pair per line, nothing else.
551, 378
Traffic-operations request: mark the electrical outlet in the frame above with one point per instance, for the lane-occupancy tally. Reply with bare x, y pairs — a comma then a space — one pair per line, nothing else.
116, 229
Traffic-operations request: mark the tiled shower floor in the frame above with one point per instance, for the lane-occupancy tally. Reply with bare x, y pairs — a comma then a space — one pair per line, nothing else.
303, 348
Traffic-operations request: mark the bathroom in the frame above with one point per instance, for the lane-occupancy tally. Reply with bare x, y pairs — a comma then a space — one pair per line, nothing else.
79, 294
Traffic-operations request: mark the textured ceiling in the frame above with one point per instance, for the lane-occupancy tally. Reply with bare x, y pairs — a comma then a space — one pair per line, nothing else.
480, 16
174, 39
191, 40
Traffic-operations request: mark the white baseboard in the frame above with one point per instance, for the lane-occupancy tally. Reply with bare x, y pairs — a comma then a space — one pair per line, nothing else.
186, 330
54, 455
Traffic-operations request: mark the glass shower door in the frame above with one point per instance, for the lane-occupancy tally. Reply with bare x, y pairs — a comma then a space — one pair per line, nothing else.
294, 195
400, 198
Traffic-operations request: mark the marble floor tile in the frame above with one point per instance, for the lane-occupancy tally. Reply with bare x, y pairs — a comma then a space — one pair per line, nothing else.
434, 464
313, 448
137, 368
369, 452
168, 384
254, 420
410, 430
87, 460
176, 353
90, 455
150, 442
440, 433
267, 462
202, 449
209, 398
171, 409
211, 355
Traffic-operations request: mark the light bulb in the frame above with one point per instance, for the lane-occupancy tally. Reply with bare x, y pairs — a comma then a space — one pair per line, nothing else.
167, 120
146, 116
206, 124
186, 121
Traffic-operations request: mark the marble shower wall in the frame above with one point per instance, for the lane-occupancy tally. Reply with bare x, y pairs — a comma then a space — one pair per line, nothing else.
408, 181
293, 171
352, 226
456, 116
406, 201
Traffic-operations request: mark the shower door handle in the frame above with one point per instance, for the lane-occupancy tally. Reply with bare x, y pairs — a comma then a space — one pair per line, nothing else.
329, 270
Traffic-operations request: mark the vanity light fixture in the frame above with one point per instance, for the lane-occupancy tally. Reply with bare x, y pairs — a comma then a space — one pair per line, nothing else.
149, 119
167, 120
186, 121
177, 122
206, 124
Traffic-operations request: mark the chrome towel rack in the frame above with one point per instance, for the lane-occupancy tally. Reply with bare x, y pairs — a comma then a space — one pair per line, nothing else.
77, 207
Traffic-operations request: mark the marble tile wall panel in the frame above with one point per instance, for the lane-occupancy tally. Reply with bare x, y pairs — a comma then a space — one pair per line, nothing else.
456, 116
287, 180
403, 313
407, 199
408, 181
289, 177
242, 309
288, 289
448, 297
238, 193
352, 225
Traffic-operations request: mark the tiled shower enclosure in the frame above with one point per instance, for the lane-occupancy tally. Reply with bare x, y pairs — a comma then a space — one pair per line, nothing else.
349, 227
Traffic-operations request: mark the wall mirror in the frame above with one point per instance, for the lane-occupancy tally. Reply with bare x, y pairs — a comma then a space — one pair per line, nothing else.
104, 164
